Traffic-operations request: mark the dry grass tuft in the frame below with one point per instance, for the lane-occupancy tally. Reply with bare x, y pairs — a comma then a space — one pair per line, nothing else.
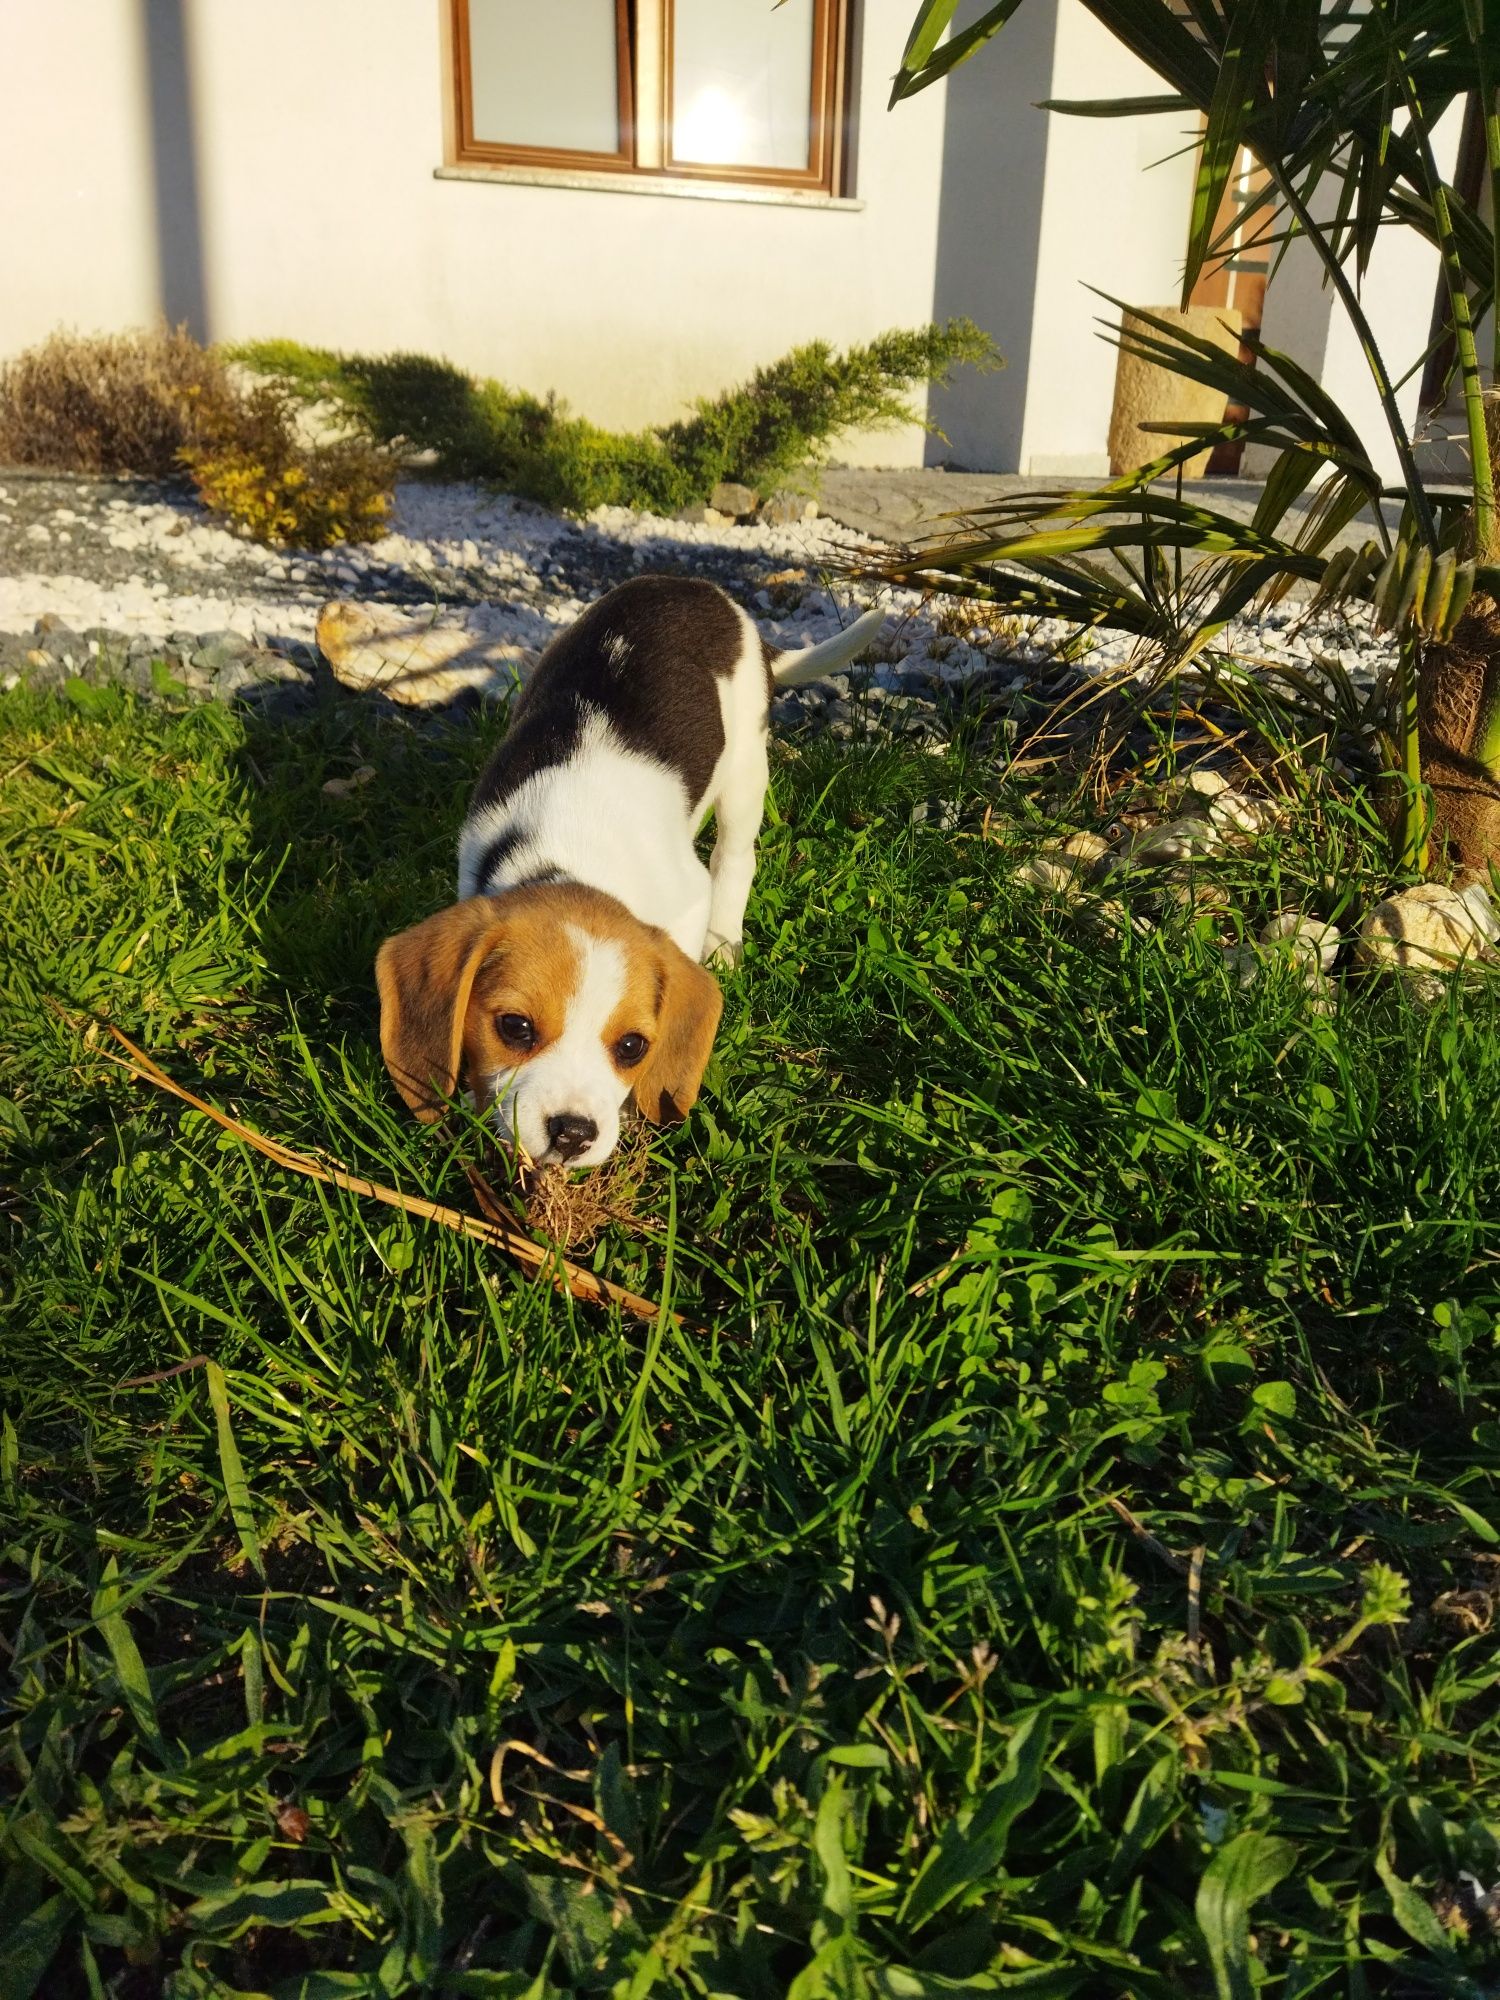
125, 402
975, 624
572, 1209
568, 1209
569, 1212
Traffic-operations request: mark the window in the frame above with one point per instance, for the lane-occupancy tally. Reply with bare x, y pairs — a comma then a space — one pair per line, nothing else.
736, 91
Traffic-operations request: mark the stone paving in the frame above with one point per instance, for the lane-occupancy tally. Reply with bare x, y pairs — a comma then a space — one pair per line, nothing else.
902, 506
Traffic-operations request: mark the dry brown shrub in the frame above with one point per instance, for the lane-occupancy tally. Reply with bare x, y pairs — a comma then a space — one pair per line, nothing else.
126, 402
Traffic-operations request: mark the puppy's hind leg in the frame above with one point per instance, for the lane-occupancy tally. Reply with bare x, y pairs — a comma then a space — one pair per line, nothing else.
738, 807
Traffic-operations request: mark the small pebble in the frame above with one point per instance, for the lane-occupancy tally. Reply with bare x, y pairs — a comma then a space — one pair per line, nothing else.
1174, 840
1426, 932
1050, 873
1086, 847
340, 788
1306, 937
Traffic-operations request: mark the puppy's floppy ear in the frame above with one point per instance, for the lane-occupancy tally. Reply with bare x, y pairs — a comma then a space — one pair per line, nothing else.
425, 977
691, 1004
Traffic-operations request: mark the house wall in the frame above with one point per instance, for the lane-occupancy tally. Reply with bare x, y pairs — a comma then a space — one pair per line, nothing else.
73, 198
1035, 207
1116, 202
994, 165
269, 170
1304, 319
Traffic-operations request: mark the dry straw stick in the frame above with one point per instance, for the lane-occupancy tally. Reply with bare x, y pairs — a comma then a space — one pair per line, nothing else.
547, 1263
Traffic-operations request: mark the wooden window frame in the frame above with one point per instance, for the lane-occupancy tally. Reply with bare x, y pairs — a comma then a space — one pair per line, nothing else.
469, 151
817, 174
644, 46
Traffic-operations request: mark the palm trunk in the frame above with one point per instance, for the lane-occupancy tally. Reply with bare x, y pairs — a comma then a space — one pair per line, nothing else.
1414, 854
1458, 691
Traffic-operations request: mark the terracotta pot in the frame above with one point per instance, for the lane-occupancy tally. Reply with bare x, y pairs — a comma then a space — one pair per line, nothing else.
1145, 393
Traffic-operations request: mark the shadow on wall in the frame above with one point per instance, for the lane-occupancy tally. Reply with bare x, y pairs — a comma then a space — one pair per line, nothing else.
989, 231
177, 209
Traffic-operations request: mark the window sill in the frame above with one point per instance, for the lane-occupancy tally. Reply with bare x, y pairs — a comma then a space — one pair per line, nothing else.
678, 190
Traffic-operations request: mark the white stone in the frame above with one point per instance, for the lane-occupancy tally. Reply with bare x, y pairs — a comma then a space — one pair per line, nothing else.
1173, 840
1305, 937
1050, 872
1207, 784
1425, 931
430, 525
1091, 853
1248, 964
414, 661
1195, 893
1241, 818
1108, 917
1476, 898
340, 788
1086, 847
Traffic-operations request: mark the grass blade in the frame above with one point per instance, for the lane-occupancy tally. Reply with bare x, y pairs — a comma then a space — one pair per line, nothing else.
236, 1488
1244, 1870
130, 1668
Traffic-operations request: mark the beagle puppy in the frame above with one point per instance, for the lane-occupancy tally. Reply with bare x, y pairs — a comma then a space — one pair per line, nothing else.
569, 978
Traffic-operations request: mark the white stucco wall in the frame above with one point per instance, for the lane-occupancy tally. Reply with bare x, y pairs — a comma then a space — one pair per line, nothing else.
1035, 207
72, 88
268, 169
316, 130
1117, 197
1304, 319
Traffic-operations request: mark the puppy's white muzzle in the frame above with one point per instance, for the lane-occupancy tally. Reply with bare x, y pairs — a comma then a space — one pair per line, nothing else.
554, 1121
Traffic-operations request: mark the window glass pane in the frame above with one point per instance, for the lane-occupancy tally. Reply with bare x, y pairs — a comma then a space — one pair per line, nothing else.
741, 82
545, 75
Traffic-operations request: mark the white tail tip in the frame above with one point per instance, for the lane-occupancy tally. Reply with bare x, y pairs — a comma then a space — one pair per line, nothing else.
812, 663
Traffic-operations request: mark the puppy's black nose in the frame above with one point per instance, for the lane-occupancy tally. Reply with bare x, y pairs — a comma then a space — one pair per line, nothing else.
570, 1134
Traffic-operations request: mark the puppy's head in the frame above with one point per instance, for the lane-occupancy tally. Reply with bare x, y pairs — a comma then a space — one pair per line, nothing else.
555, 1006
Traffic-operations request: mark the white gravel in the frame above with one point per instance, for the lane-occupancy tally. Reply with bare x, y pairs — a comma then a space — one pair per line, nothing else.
155, 567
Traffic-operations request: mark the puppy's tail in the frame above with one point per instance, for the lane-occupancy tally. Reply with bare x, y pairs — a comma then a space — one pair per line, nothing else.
794, 670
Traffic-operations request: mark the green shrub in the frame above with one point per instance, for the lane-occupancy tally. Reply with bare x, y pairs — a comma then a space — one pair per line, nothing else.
127, 402
252, 469
781, 420
787, 414
157, 402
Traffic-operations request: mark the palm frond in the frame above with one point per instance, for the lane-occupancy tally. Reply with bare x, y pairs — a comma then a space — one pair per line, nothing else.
1039, 554
1230, 111
1293, 409
927, 57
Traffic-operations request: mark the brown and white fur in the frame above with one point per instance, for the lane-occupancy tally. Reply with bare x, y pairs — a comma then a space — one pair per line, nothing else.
568, 978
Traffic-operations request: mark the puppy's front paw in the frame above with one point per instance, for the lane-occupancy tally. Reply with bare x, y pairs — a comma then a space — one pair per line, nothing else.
725, 953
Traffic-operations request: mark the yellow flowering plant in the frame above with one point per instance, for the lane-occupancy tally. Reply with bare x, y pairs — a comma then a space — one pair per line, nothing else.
253, 470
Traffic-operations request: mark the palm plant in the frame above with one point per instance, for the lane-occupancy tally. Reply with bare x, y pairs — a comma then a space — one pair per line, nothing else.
1337, 101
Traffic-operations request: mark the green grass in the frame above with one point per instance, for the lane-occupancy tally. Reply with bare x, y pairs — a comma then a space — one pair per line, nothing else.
1066, 1564
764, 432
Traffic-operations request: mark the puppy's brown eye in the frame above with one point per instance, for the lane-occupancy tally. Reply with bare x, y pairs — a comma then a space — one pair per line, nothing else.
517, 1031
629, 1049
